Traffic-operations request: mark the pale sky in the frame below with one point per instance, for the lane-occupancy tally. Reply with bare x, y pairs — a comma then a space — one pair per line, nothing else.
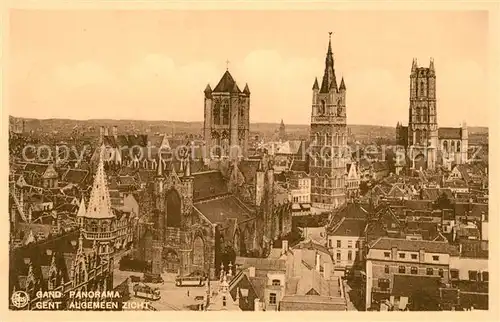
154, 65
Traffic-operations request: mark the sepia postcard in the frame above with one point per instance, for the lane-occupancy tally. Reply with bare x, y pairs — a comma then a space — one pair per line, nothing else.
239, 158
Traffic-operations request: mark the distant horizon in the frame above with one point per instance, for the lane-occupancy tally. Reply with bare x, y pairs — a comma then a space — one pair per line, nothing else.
201, 121
153, 64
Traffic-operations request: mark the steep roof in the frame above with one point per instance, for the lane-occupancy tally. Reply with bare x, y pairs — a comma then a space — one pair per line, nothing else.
450, 133
100, 202
226, 84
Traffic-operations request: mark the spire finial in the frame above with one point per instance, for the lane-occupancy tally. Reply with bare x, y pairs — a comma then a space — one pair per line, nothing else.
330, 41
227, 64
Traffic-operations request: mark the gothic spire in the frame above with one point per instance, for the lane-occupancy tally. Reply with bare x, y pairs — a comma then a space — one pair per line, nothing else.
246, 90
187, 170
100, 202
315, 85
329, 79
159, 172
342, 84
81, 210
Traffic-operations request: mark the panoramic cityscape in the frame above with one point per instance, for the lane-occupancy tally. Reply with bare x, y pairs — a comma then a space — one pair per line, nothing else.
230, 210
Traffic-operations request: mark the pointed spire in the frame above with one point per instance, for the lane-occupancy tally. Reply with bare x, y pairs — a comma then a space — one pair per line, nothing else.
230, 272
208, 91
100, 201
329, 80
315, 85
342, 85
330, 42
431, 64
81, 210
246, 90
414, 65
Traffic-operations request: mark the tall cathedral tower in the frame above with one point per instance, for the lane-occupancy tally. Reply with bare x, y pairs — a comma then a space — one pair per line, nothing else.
227, 119
328, 138
422, 123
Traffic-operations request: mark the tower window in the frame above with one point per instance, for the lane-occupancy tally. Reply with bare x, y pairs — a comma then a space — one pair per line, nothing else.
322, 108
422, 90
217, 114
225, 114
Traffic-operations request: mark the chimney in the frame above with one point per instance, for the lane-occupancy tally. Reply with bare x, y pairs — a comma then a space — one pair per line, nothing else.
106, 131
256, 305
318, 262
115, 131
421, 255
394, 251
284, 247
251, 271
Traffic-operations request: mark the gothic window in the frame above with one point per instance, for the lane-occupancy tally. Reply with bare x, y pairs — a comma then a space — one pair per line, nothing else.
445, 145
424, 136
225, 114
418, 136
173, 209
326, 139
452, 146
198, 252
422, 90
217, 114
424, 115
322, 107
458, 146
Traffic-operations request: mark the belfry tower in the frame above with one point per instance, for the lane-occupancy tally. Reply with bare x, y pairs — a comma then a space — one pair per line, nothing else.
327, 162
422, 122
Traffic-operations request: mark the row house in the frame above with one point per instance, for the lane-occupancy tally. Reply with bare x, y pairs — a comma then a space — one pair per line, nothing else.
393, 264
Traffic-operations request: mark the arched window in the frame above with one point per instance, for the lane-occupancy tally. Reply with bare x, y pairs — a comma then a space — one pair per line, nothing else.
422, 90
445, 146
322, 108
458, 146
217, 114
418, 136
452, 146
225, 114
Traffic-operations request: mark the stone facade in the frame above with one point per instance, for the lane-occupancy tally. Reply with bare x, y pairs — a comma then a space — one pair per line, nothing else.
327, 163
227, 119
426, 144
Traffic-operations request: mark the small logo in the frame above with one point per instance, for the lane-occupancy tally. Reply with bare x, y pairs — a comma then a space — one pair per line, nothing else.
20, 299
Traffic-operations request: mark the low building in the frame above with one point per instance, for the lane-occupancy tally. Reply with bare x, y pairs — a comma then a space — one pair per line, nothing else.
390, 261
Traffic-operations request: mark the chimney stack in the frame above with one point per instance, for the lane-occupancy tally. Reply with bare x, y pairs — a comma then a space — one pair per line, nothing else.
284, 247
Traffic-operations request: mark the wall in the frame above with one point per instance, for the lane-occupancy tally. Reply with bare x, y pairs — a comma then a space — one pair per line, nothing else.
464, 265
344, 249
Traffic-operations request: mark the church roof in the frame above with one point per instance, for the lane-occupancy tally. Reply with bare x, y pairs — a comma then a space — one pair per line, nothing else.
450, 133
227, 84
100, 202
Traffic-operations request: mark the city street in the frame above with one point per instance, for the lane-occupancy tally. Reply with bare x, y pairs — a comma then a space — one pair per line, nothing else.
172, 297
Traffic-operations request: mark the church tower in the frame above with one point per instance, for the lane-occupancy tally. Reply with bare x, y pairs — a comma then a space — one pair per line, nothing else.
422, 123
98, 221
227, 119
327, 161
